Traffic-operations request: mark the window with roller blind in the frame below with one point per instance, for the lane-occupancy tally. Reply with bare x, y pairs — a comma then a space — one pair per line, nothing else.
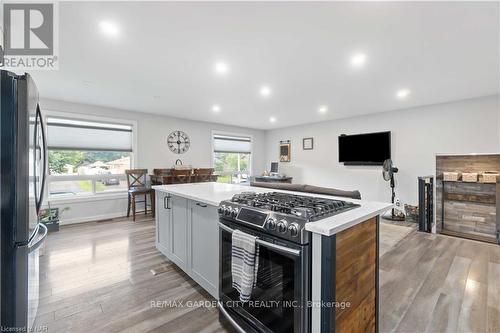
232, 157
87, 157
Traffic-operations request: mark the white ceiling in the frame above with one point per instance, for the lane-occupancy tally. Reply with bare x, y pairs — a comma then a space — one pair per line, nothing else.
441, 51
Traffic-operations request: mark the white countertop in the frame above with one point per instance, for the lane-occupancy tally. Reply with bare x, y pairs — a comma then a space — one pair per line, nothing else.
214, 193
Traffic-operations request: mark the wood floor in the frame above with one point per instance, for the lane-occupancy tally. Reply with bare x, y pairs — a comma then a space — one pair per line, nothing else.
95, 277
436, 283
391, 234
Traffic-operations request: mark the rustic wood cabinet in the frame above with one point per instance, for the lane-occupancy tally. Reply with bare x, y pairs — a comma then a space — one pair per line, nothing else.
467, 209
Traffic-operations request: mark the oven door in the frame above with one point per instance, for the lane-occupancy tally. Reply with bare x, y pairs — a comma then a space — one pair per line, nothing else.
279, 300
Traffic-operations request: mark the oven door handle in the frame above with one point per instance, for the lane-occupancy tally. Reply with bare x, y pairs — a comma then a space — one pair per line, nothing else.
276, 247
230, 319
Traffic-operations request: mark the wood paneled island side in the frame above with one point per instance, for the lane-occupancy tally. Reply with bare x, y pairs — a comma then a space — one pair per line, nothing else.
345, 279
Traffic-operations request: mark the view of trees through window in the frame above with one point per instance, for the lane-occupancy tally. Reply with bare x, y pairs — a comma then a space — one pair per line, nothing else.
232, 167
87, 163
63, 162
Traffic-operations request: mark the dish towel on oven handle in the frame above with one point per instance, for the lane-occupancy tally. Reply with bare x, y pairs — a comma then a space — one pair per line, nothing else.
244, 263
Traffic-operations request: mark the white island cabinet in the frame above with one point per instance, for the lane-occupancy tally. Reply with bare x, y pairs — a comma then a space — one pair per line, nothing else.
163, 217
203, 249
187, 234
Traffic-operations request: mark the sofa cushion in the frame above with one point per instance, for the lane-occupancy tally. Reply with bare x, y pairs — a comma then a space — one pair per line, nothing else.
280, 186
309, 189
332, 191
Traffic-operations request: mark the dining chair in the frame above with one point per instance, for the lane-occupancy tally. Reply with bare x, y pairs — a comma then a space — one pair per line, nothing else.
179, 176
157, 176
203, 174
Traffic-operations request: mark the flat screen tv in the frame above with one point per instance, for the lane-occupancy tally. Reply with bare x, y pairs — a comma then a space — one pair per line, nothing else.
365, 149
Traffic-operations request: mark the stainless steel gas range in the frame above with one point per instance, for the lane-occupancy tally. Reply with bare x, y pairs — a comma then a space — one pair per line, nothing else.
279, 301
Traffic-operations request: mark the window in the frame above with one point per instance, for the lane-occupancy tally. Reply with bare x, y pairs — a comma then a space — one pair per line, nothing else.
232, 158
87, 157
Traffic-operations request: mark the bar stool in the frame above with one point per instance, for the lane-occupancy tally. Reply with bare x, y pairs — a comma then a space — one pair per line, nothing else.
136, 181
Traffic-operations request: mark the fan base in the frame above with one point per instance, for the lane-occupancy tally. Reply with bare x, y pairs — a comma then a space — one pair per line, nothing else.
388, 216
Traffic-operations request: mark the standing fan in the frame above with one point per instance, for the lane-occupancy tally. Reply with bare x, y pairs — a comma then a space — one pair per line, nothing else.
388, 171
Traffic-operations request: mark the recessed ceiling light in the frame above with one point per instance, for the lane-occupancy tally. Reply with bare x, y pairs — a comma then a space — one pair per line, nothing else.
156, 96
109, 28
221, 68
358, 60
216, 108
265, 91
323, 109
272, 119
403, 93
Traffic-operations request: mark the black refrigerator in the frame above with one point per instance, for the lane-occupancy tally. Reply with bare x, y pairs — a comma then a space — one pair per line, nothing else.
22, 179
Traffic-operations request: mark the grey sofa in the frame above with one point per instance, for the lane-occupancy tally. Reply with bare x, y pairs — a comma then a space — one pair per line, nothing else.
309, 189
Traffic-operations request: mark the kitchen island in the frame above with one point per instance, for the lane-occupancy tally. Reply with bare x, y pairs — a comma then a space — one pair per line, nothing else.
343, 264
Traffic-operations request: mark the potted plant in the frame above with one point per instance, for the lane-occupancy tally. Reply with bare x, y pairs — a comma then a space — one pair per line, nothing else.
50, 217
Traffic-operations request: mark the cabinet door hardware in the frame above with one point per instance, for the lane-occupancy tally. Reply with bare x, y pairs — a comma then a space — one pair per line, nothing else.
166, 202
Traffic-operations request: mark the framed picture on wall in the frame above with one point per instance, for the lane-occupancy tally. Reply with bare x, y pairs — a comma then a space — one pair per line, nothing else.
307, 143
284, 151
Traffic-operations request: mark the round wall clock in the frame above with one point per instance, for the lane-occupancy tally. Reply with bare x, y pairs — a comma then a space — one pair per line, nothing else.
178, 142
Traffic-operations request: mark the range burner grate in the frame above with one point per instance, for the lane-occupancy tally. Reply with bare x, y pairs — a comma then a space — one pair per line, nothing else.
298, 205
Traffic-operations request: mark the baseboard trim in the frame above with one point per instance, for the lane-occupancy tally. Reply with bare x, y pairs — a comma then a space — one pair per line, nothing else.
91, 218
85, 198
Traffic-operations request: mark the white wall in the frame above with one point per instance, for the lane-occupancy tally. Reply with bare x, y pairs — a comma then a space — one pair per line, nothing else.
469, 126
152, 150
91, 208
498, 115
417, 135
152, 132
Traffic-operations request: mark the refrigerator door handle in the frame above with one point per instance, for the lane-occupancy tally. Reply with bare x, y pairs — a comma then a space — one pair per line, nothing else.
44, 166
39, 240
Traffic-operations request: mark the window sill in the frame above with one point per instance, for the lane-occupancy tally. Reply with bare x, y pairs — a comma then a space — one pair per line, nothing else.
87, 198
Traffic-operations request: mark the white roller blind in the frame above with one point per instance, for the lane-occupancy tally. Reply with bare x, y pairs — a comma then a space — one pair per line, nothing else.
88, 135
232, 144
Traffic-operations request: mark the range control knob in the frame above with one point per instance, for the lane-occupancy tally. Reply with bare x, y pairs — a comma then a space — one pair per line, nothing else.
271, 223
282, 226
234, 212
294, 229
227, 211
221, 209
